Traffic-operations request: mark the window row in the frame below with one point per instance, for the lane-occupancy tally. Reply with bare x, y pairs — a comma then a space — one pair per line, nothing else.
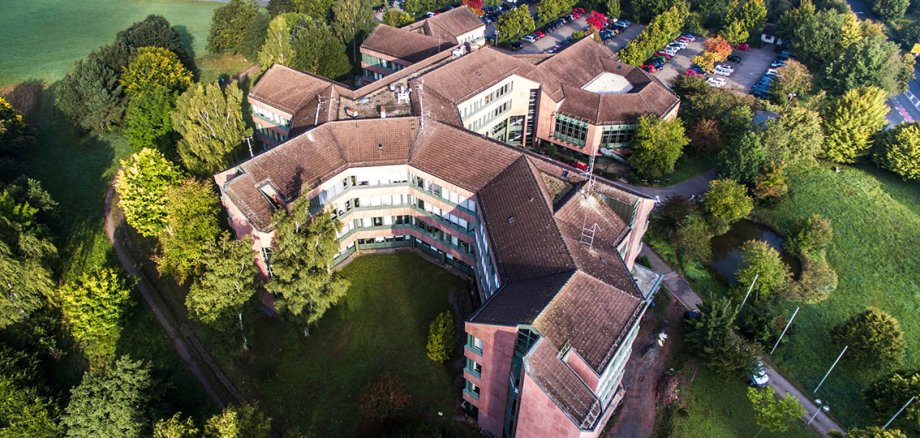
266, 114
487, 118
617, 136
570, 130
382, 63
483, 102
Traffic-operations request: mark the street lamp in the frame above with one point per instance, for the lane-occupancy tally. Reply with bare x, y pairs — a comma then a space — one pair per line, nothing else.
824, 408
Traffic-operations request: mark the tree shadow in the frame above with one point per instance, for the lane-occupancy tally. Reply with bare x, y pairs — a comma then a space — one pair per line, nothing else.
188, 40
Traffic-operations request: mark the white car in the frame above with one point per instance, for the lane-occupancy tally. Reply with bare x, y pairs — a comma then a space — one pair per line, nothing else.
773, 72
683, 44
724, 70
670, 50
716, 82
758, 377
529, 38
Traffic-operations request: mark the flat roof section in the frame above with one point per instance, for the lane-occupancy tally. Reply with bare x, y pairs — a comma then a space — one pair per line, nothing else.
608, 83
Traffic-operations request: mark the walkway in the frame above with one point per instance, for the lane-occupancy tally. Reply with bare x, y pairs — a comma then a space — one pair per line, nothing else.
186, 343
685, 294
693, 186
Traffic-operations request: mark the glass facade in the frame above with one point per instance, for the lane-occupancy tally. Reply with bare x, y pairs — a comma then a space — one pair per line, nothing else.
616, 136
570, 130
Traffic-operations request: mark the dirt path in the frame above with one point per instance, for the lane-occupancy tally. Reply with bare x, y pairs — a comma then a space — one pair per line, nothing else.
196, 359
645, 374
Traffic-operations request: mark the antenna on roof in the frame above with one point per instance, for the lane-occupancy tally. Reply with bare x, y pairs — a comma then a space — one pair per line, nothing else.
587, 233
320, 101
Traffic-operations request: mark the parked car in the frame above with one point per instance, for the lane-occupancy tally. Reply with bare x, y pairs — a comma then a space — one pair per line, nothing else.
580, 166
622, 24
578, 10
734, 58
778, 63
606, 34
657, 58
539, 34
515, 46
784, 55
744, 47
649, 68
772, 72
697, 69
758, 377
716, 82
529, 38
692, 72
665, 54
553, 49
689, 36
724, 70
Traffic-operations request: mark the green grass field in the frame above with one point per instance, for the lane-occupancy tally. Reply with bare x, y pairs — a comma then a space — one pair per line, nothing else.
42, 39
381, 327
876, 252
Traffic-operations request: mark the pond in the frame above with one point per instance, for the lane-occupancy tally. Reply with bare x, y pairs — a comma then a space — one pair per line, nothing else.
726, 249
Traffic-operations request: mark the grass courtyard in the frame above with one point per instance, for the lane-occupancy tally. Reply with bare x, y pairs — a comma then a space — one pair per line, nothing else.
314, 383
42, 39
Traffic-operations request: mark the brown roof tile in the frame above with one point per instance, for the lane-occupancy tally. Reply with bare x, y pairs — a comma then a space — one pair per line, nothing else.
289, 90
448, 25
462, 78
398, 43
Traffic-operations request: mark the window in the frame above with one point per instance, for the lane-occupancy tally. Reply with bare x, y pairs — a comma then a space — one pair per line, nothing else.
525, 339
472, 389
473, 368
378, 221
474, 344
570, 130
617, 135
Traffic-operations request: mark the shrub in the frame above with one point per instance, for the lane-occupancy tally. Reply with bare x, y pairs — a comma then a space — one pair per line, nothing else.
726, 202
441, 337
894, 390
816, 283
691, 239
899, 151
761, 260
814, 234
874, 337
875, 432
384, 399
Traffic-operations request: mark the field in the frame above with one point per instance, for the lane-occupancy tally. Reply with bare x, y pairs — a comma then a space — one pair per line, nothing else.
42, 39
315, 383
876, 220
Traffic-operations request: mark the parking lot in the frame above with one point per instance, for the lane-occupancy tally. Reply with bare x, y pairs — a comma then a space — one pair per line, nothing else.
754, 63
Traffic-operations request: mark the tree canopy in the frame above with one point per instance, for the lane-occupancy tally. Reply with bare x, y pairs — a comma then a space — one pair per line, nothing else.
870, 61
661, 30
441, 337
191, 227
796, 137
91, 96
759, 259
113, 402
899, 151
141, 183
148, 121
301, 265
305, 44
15, 136
874, 337
893, 391
227, 282
238, 421
152, 68
93, 306
657, 145
772, 413
726, 202
155, 31
743, 158
850, 122
515, 23
210, 121
232, 24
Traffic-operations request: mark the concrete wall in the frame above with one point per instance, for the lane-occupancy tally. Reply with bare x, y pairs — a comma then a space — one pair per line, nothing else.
497, 351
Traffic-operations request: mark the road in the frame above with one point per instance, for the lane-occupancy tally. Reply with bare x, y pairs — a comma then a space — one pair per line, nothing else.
693, 186
681, 289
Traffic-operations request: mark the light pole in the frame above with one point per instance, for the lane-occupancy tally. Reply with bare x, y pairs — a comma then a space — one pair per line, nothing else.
824, 408
784, 331
747, 294
831, 369
899, 412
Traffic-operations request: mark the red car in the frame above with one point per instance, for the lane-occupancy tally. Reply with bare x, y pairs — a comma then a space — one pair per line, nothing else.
666, 55
743, 47
581, 166
692, 72
539, 34
578, 10
576, 15
649, 68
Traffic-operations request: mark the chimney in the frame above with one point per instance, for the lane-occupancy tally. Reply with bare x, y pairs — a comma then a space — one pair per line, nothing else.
383, 112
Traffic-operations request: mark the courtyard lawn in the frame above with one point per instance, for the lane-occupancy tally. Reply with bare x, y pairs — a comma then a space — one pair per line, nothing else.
42, 39
876, 252
314, 383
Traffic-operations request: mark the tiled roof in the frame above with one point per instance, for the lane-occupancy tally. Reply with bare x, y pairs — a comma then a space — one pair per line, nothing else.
447, 26
289, 90
398, 43
463, 78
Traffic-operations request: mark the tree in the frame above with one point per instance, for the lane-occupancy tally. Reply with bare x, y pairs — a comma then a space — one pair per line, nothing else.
175, 427
794, 81
796, 137
750, 14
672, 213
909, 35
302, 265
597, 20
772, 413
15, 136
736, 122
548, 10
317, 50
771, 183
155, 31
662, 29
315, 9
351, 18
691, 240
93, 306
657, 145
152, 68
899, 151
726, 202
875, 432
735, 32
874, 338
385, 398
113, 402
613, 8
210, 121
227, 283
710, 336
705, 137
141, 184
238, 421
277, 47
24, 412
743, 159
850, 121
190, 228
441, 337
890, 9
890, 393
396, 18
514, 23
718, 46
870, 61
230, 26
147, 120
254, 37
814, 235
278, 7
90, 96
759, 259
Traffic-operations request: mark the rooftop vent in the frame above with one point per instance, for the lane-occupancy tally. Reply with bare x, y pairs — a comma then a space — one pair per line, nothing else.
478, 74
379, 145
510, 219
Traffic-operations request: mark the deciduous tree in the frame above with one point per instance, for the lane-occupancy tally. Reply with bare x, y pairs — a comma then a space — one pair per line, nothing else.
175, 427
141, 183
302, 265
796, 137
230, 25
850, 121
875, 432
113, 402
278, 46
155, 31
874, 337
351, 18
750, 14
317, 50
895, 390
759, 259
93, 306
705, 137
691, 239
210, 121
890, 9
735, 32
899, 151
772, 413
743, 158
396, 17
152, 68
662, 29
190, 230
657, 145
613, 8
871, 61
148, 121
227, 282
514, 23
441, 337
726, 202
238, 421
795, 81
771, 184
15, 136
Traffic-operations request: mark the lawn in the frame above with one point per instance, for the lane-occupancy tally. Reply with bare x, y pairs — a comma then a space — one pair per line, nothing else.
876, 220
42, 39
314, 383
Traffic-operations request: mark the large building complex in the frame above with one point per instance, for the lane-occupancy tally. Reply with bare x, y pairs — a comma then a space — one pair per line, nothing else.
427, 156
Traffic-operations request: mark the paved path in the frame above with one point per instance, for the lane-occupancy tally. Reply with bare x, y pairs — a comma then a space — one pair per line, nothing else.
693, 186
685, 294
186, 343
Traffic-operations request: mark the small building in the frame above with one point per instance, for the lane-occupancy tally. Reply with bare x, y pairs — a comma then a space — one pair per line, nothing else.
388, 50
769, 35
458, 26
